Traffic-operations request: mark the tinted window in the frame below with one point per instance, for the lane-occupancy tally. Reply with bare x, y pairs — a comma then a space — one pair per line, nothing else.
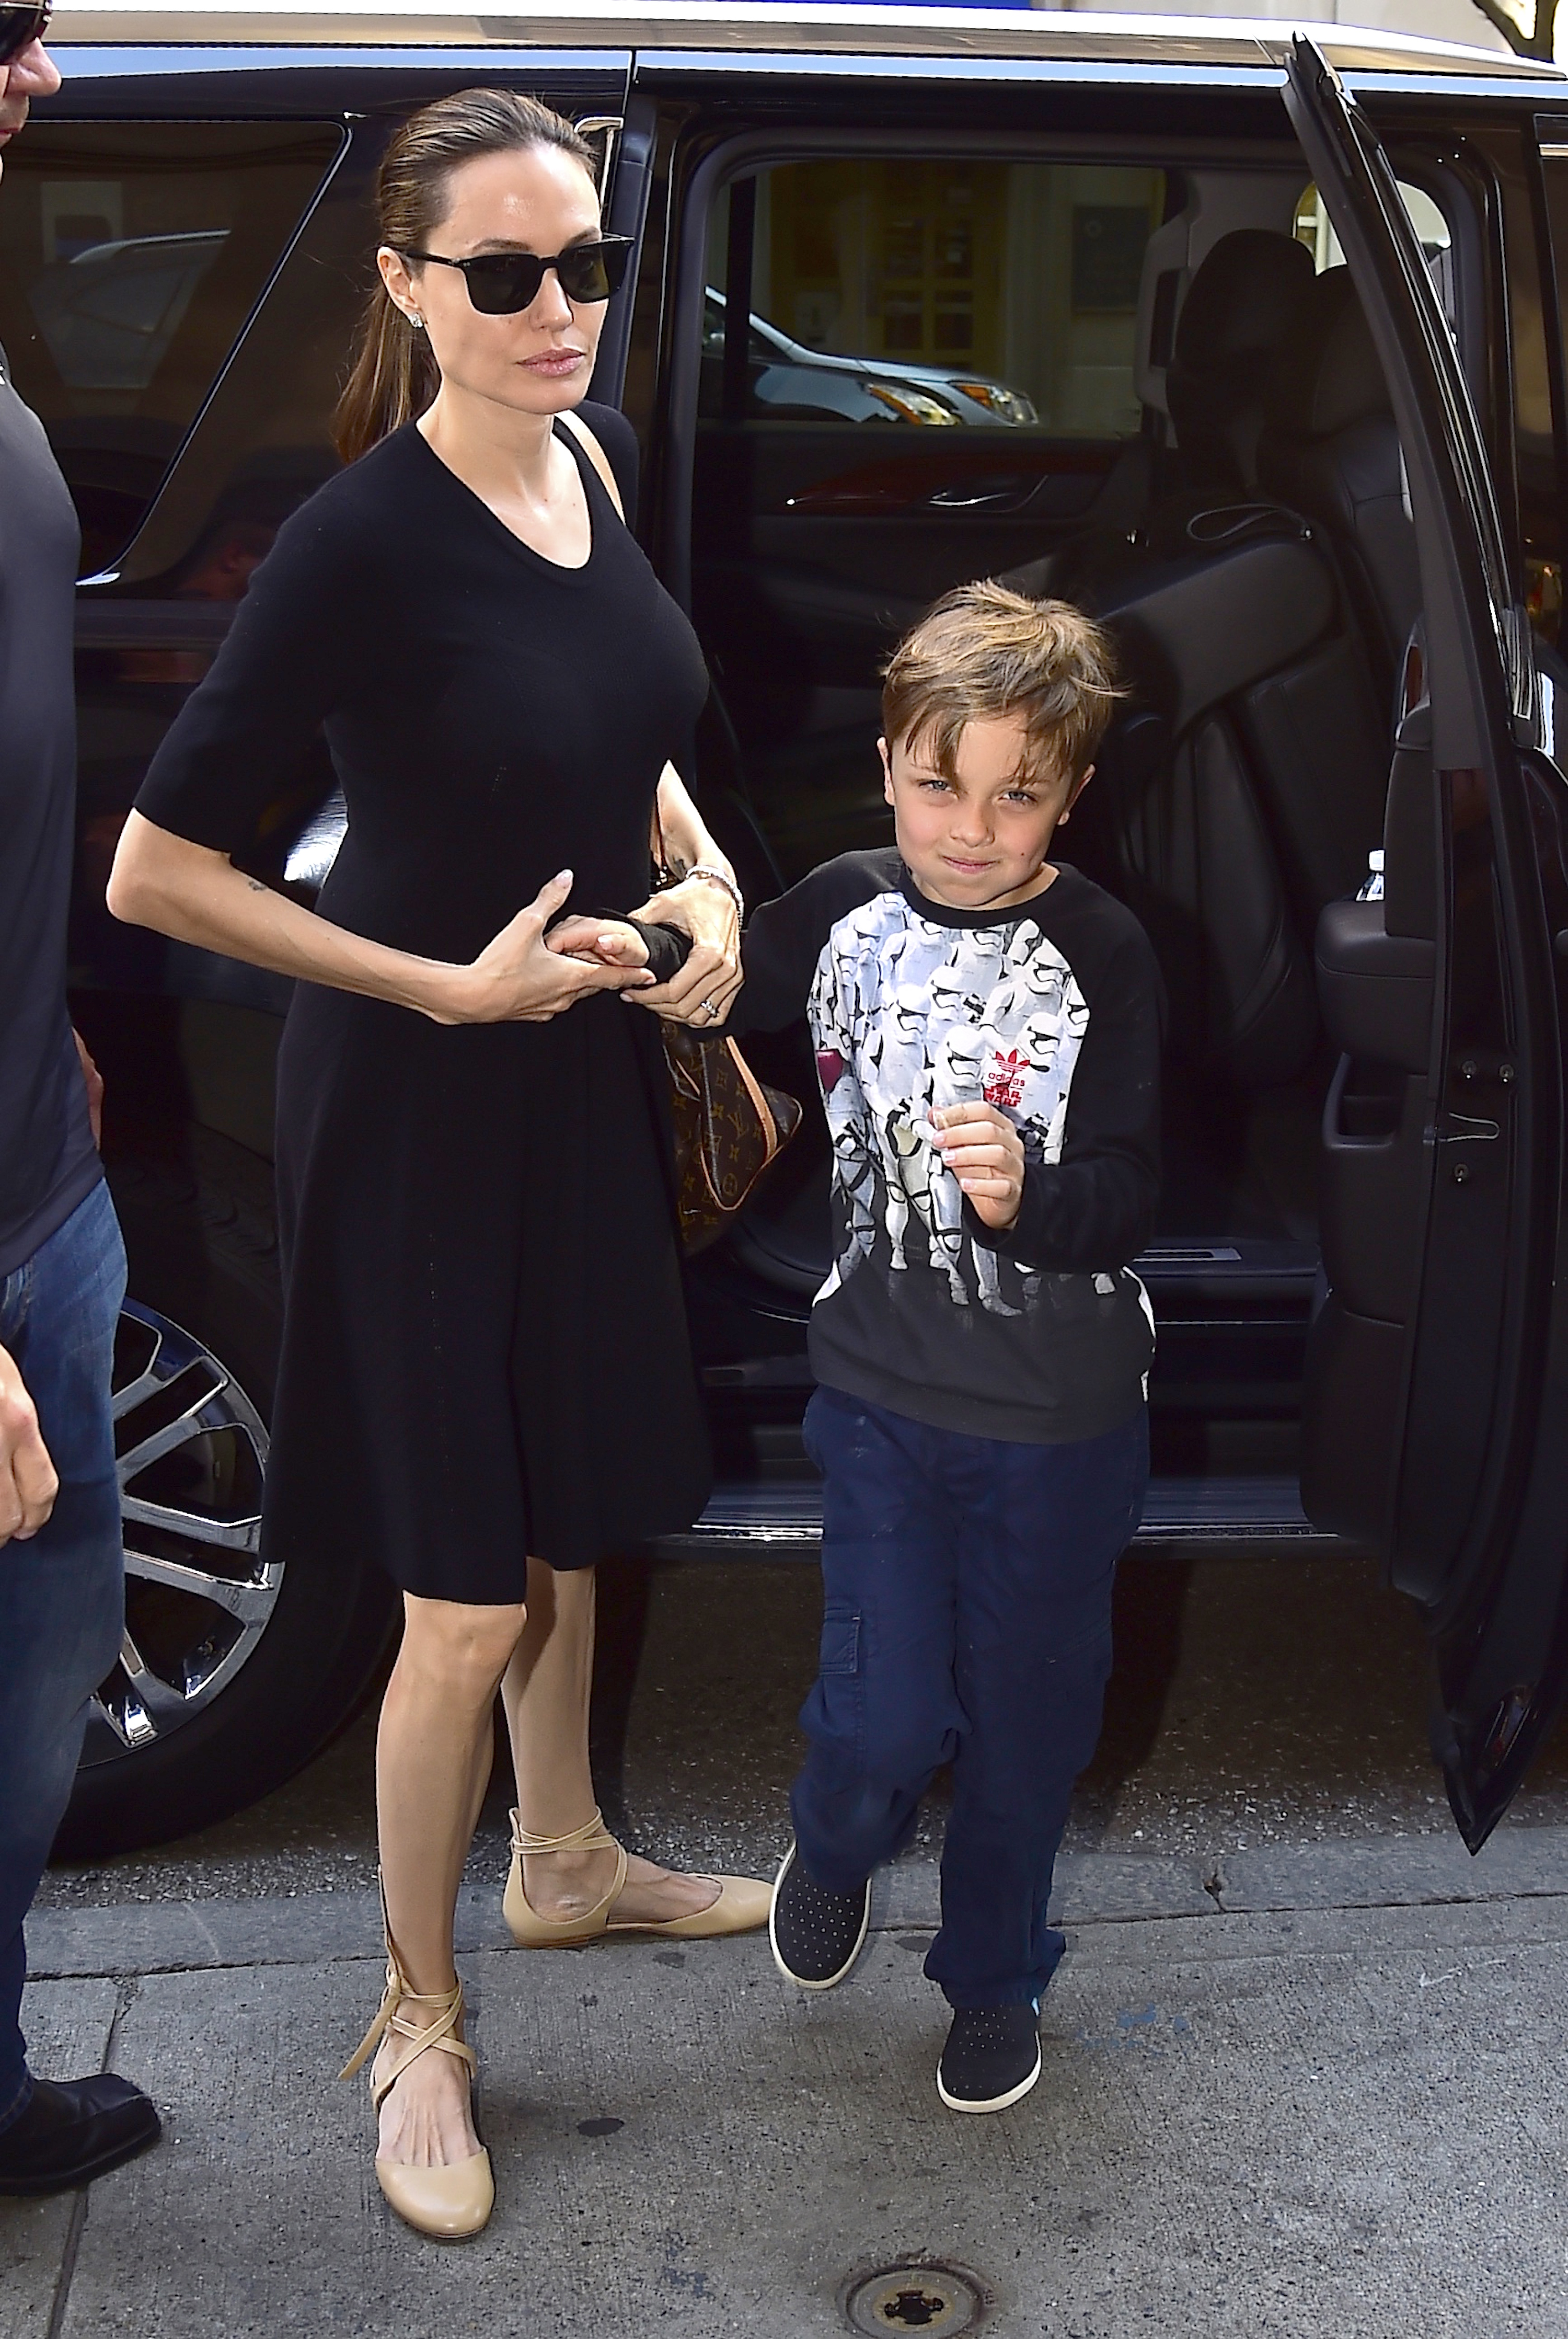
1537, 321
131, 256
935, 381
933, 293
1315, 229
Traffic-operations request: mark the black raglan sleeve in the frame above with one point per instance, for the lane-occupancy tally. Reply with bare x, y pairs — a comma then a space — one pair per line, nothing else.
1094, 1209
668, 947
783, 939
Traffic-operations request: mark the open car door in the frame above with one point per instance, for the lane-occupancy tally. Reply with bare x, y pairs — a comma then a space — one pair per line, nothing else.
1435, 1424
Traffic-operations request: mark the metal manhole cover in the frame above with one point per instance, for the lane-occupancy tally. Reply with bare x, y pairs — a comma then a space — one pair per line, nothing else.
930, 2297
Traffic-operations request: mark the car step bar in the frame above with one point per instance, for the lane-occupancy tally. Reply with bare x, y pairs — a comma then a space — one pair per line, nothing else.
753, 1519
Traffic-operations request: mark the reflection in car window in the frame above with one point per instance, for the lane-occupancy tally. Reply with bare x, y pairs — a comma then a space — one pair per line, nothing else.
131, 255
936, 380
939, 293
108, 311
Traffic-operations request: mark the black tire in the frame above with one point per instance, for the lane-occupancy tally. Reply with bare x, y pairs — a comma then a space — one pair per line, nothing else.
199, 1234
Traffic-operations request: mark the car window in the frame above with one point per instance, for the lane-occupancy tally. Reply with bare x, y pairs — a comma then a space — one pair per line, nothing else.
1537, 308
934, 294
1313, 228
936, 381
1515, 315
131, 255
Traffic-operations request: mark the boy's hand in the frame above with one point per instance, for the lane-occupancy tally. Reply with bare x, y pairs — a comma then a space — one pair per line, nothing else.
603, 942
985, 1152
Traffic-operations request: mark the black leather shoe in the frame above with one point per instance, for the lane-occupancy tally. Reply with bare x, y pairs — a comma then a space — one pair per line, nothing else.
73, 2131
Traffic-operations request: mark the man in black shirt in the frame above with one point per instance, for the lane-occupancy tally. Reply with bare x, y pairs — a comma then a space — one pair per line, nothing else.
62, 1267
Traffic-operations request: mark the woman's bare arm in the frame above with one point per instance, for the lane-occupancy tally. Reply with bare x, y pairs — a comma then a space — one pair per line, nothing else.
706, 910
689, 842
197, 895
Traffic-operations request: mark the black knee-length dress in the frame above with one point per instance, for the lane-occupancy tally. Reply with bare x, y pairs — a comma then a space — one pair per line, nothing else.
484, 1350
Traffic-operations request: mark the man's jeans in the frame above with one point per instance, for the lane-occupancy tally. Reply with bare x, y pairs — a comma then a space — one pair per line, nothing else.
62, 1593
966, 1619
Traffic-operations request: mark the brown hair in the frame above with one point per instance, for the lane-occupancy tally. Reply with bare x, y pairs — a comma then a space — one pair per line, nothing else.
394, 377
984, 650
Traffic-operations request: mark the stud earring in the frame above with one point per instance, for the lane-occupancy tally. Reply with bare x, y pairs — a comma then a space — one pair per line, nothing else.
417, 322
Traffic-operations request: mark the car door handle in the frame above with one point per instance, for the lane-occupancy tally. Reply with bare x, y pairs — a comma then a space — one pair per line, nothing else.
958, 496
1464, 1128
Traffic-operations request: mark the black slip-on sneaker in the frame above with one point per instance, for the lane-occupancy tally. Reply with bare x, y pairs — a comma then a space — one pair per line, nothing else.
991, 2058
73, 2131
816, 1934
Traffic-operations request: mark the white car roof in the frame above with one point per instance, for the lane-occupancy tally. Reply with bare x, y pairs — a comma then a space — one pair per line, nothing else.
738, 26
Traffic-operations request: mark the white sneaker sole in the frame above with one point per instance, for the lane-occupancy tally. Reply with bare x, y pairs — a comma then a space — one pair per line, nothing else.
833, 1980
993, 2103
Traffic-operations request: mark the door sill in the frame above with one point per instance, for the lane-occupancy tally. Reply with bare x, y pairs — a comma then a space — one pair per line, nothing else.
760, 1518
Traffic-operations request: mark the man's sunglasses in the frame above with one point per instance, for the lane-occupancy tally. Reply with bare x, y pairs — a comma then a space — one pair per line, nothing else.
21, 26
502, 282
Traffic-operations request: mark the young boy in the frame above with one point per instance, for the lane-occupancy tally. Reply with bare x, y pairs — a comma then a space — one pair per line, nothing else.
987, 1028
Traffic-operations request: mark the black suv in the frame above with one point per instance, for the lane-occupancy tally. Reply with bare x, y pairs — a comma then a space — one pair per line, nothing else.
1257, 350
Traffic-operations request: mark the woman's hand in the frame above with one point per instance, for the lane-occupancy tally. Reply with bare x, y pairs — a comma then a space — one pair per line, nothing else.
521, 978
601, 942
985, 1152
196, 895
703, 991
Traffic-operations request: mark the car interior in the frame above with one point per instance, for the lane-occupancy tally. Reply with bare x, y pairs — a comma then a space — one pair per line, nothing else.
1213, 470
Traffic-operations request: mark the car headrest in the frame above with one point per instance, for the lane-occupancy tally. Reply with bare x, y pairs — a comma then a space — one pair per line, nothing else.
1244, 299
1240, 310
1329, 375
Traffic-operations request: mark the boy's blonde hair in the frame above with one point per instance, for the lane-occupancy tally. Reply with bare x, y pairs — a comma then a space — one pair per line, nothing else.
984, 650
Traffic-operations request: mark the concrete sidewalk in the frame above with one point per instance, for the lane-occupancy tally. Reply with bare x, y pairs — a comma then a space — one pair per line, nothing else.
1319, 2091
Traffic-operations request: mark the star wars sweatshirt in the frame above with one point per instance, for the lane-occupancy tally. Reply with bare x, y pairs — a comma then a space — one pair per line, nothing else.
1049, 1010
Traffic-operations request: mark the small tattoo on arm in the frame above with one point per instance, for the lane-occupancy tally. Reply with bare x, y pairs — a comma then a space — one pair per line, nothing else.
255, 885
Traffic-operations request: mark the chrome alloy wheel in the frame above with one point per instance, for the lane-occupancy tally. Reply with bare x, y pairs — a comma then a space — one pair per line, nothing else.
191, 1452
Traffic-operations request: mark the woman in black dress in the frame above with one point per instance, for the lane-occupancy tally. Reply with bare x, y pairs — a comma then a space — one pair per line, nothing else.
486, 1376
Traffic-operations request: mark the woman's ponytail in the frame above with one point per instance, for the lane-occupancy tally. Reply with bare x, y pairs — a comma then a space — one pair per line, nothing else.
394, 377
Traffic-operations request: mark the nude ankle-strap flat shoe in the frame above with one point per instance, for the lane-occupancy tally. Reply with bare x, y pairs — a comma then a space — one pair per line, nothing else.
449, 2204
742, 1906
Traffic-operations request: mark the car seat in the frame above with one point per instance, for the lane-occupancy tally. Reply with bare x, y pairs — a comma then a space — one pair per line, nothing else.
1244, 786
1243, 308
1245, 305
1329, 448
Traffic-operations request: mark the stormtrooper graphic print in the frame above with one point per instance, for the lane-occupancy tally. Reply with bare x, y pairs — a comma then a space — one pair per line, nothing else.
1049, 1011
908, 1017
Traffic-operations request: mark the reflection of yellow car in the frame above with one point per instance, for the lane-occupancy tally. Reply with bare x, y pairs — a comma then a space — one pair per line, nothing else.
819, 385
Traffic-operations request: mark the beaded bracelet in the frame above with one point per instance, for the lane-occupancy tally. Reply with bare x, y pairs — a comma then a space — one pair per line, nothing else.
717, 877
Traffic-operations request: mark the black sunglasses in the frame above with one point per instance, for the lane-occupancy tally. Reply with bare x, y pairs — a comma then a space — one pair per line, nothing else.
502, 282
19, 27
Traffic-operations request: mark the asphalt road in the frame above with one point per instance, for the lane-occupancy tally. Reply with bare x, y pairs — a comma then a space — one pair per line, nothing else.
1257, 1701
